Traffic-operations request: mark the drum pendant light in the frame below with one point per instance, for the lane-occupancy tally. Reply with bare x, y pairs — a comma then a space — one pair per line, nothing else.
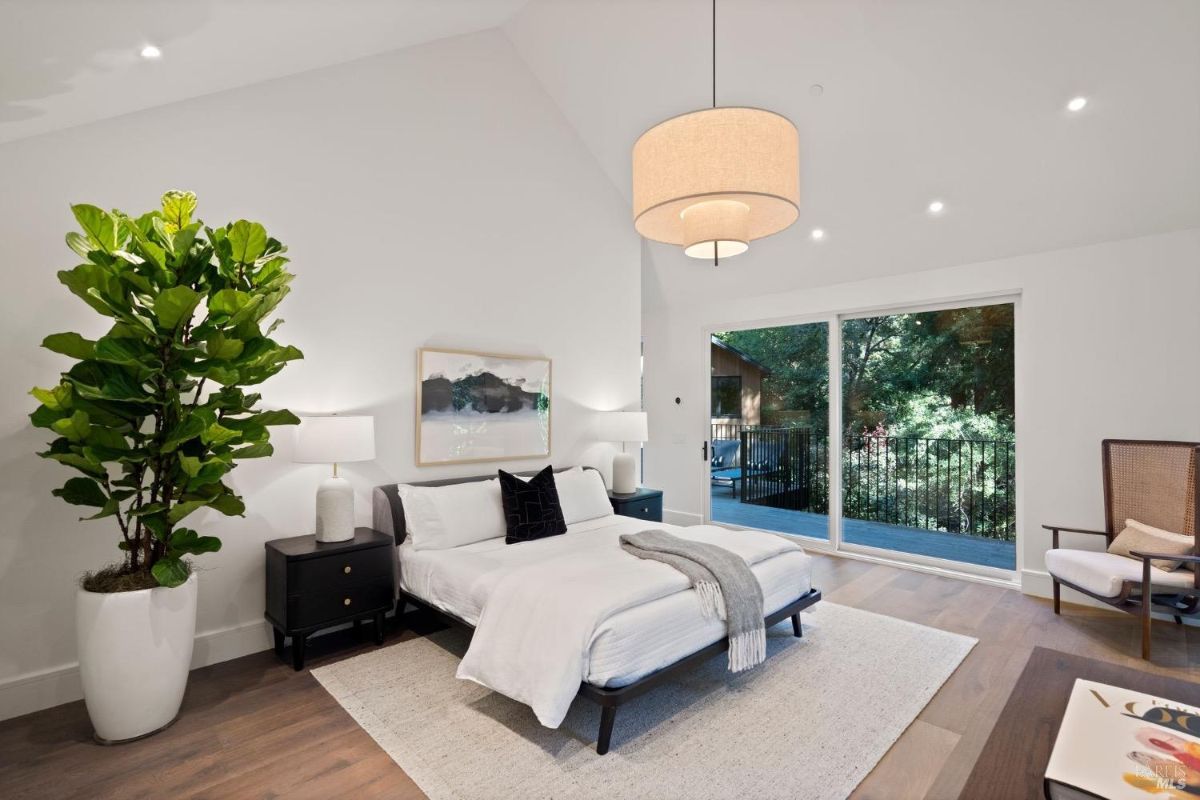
714, 180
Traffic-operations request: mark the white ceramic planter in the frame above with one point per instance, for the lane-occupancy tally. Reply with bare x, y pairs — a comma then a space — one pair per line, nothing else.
135, 649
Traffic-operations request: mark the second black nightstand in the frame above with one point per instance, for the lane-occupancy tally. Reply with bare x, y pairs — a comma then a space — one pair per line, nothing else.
313, 585
644, 504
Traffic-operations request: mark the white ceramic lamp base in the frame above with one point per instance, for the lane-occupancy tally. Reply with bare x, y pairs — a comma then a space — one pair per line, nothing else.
624, 473
335, 510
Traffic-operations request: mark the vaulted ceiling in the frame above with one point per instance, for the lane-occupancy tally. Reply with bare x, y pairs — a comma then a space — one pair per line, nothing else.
957, 100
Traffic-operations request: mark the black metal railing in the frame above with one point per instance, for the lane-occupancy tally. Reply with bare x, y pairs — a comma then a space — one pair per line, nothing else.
954, 485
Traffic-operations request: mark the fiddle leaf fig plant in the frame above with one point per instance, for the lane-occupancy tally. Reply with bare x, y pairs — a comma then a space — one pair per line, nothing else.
154, 414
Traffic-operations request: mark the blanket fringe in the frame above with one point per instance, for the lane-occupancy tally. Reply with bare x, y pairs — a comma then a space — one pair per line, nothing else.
712, 602
747, 649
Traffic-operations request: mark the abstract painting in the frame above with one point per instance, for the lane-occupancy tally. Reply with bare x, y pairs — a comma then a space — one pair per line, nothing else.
481, 407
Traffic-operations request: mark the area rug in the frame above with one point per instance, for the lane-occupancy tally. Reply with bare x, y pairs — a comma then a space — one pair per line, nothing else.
809, 723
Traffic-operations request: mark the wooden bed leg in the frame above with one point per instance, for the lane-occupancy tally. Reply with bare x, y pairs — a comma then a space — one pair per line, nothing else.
1057, 593
796, 630
608, 715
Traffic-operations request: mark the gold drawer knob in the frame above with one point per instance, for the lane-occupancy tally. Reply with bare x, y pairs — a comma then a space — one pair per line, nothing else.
346, 602
346, 569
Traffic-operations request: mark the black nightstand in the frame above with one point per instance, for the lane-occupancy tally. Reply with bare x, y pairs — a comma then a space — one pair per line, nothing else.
313, 585
644, 504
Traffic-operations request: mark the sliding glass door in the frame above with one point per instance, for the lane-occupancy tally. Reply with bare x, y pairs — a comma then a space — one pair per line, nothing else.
928, 434
922, 462
769, 428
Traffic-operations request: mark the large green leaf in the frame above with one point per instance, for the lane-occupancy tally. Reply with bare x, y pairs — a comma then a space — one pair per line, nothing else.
75, 427
79, 462
228, 301
222, 348
181, 510
69, 344
177, 209
248, 240
259, 450
186, 541
191, 427
217, 434
228, 504
169, 572
56, 399
82, 492
90, 283
124, 350
276, 417
175, 305
79, 243
99, 225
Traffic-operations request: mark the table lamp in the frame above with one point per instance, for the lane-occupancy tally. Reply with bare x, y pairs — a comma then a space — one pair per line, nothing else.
623, 426
335, 440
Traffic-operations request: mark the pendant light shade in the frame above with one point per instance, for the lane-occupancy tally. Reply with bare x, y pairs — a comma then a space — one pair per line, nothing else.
712, 181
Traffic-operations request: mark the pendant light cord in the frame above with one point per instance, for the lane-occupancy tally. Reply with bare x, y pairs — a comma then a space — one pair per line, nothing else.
714, 53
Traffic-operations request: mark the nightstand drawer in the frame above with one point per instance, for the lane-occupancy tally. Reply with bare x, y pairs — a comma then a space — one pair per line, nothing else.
649, 508
331, 573
315, 608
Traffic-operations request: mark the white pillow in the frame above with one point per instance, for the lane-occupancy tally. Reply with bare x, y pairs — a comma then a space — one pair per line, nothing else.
441, 517
582, 495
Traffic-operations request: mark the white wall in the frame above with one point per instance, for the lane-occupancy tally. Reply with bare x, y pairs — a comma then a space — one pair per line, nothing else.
433, 196
1107, 341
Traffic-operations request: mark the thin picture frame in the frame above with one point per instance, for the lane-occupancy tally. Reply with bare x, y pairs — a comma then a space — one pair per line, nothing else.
421, 461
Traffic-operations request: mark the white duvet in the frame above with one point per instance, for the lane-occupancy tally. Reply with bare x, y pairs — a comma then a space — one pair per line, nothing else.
538, 618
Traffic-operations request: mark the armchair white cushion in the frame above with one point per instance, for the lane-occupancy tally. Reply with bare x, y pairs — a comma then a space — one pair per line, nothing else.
1103, 573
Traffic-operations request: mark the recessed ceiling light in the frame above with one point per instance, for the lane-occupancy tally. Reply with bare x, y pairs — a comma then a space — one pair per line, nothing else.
1076, 104
937, 207
817, 234
151, 52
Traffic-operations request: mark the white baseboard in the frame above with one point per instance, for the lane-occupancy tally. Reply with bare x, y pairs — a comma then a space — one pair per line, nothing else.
682, 517
54, 686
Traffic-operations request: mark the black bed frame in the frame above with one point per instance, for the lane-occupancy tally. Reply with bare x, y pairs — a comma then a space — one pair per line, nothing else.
389, 518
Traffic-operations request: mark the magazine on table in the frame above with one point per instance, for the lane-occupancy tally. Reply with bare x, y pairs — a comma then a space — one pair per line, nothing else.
1119, 744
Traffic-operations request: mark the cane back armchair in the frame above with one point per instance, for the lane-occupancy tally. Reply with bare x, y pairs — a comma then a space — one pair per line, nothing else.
1156, 484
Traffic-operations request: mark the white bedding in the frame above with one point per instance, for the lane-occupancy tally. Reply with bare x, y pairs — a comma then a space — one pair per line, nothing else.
628, 645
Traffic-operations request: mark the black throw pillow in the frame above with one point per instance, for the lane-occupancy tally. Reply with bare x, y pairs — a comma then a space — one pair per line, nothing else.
531, 508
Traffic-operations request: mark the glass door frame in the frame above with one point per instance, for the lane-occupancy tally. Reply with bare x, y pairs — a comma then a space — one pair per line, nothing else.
835, 543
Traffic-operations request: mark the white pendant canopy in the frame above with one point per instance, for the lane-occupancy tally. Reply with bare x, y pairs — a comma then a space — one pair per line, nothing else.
712, 181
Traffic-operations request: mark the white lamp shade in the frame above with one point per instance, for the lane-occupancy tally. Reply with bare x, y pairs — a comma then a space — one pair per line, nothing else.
717, 178
622, 426
335, 440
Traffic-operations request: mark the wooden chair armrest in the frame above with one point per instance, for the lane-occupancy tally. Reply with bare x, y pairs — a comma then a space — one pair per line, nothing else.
1054, 530
1073, 530
1167, 556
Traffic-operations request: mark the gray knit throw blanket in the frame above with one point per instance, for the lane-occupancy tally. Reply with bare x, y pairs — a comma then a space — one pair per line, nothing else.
727, 588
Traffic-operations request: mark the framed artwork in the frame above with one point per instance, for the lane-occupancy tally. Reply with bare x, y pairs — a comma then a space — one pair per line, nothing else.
481, 407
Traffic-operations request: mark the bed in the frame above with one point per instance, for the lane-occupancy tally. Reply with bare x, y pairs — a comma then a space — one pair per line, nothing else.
633, 649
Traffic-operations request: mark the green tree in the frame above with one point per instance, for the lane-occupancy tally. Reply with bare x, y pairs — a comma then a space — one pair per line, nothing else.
132, 415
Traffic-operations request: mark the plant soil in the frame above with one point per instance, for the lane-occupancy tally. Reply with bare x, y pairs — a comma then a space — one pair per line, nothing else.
118, 578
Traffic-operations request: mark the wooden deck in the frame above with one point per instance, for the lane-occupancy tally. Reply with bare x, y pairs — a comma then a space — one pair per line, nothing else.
952, 546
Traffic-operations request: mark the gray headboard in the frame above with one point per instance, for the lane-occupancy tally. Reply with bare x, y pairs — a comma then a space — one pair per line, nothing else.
387, 511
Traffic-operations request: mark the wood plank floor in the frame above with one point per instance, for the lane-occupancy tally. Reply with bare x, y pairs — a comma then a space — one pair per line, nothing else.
252, 728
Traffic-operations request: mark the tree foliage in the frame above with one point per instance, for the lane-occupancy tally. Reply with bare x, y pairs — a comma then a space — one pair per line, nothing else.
962, 356
153, 415
928, 414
